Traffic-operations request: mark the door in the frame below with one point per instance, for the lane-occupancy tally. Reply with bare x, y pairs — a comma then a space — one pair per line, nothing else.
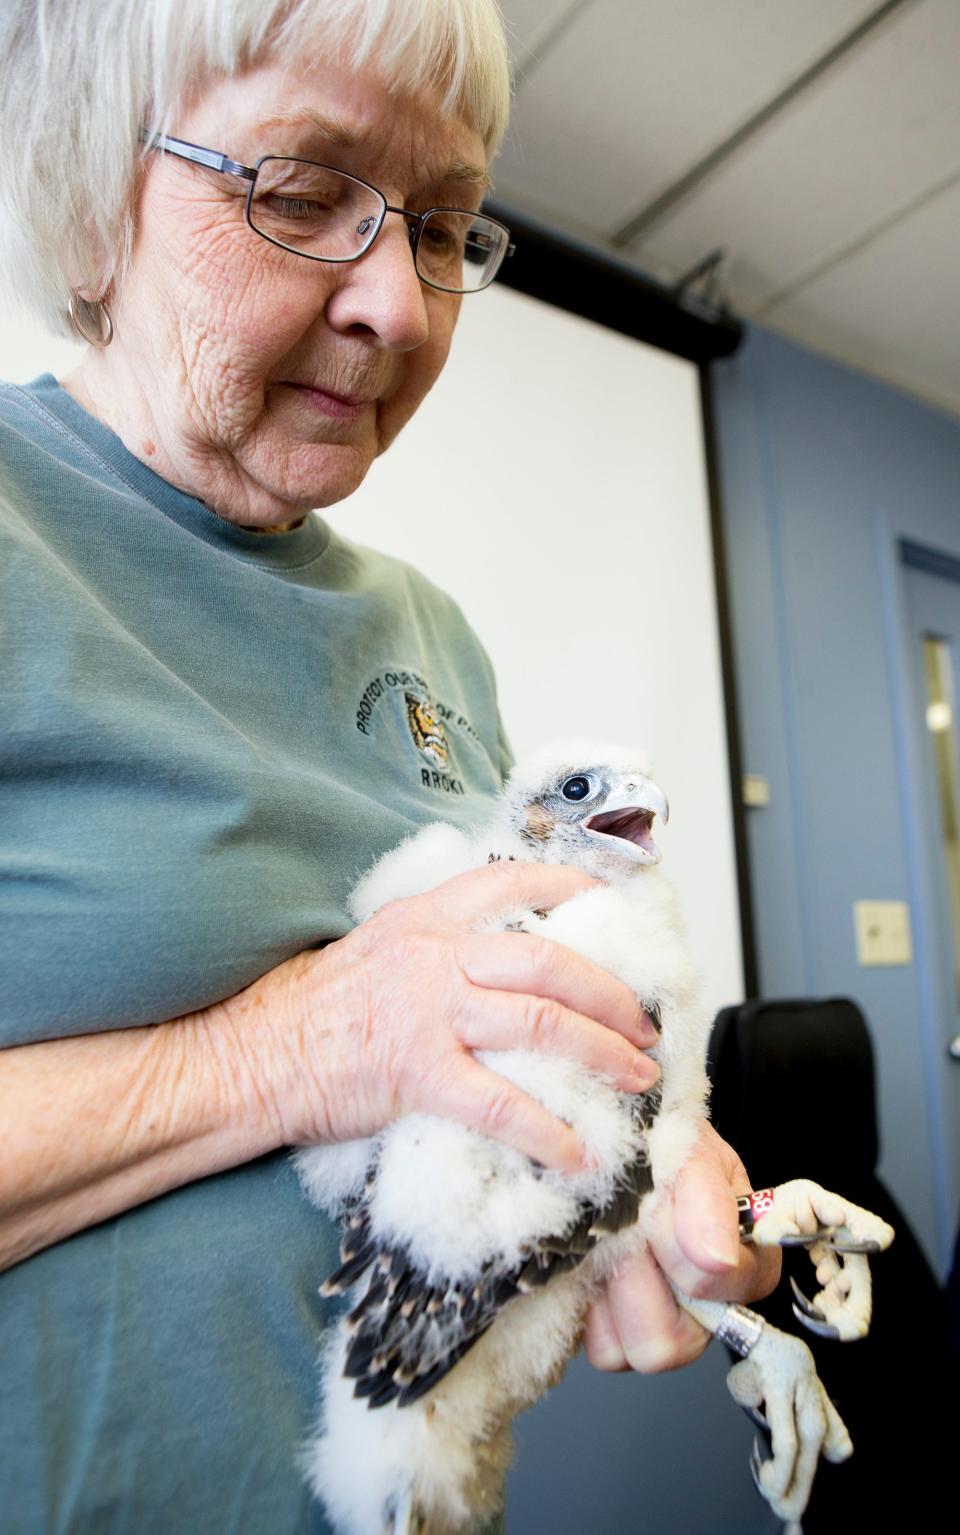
933, 599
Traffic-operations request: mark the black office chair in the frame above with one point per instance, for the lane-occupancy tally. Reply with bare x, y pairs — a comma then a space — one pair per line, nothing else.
793, 1092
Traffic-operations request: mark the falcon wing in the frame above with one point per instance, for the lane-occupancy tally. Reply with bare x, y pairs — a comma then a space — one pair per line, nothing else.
407, 1333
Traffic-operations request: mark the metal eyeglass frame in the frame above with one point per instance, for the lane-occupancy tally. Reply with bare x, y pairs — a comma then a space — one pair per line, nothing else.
216, 161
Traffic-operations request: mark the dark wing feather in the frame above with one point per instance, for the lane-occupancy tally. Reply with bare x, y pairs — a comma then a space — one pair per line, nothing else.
406, 1334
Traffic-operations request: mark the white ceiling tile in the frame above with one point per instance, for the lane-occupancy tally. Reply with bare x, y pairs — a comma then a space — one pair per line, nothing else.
865, 142
635, 91
530, 23
892, 309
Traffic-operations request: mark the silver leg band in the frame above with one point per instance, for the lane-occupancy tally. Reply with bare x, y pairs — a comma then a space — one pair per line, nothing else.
740, 1329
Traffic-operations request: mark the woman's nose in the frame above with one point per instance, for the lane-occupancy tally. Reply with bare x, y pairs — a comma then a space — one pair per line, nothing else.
381, 291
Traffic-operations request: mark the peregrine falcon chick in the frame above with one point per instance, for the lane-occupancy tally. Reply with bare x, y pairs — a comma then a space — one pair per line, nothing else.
471, 1268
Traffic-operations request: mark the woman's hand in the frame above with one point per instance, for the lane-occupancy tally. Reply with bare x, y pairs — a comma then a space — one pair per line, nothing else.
384, 1021
635, 1322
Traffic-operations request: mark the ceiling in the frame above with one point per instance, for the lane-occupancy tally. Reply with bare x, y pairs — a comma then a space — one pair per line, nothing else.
816, 142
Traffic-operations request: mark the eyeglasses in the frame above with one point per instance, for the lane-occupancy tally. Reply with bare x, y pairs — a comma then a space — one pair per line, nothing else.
326, 215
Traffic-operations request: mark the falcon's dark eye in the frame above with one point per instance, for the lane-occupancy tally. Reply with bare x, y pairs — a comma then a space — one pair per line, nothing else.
576, 788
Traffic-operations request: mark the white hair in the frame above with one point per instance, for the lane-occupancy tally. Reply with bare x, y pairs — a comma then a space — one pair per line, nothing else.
82, 78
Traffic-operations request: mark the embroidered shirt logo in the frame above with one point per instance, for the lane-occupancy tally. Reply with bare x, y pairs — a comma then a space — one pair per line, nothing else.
428, 721
428, 733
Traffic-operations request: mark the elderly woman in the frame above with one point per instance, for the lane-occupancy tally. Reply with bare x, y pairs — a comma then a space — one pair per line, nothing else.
262, 217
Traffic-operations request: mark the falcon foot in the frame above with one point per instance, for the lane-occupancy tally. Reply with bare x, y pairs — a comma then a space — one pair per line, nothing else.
803, 1423
838, 1236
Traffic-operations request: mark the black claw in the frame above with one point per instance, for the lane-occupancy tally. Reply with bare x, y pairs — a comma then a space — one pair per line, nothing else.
756, 1461
822, 1329
756, 1416
805, 1303
803, 1238
406, 1519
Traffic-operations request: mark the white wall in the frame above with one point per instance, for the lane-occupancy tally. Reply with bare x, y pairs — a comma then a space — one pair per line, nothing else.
554, 483
27, 350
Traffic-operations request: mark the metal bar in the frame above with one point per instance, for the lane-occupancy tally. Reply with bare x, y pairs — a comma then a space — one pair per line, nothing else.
748, 934
599, 285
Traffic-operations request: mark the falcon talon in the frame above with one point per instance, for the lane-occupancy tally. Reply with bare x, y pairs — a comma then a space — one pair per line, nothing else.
806, 1305
756, 1464
756, 1416
402, 1518
822, 1329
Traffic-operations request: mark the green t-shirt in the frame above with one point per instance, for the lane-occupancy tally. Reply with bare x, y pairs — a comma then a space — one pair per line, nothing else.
205, 735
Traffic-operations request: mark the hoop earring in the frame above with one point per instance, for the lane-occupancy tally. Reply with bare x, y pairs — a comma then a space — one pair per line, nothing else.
90, 319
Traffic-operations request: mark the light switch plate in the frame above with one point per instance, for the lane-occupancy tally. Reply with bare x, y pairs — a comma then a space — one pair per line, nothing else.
756, 791
883, 932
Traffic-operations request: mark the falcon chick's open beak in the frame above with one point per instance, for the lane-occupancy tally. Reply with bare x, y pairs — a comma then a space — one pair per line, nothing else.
628, 817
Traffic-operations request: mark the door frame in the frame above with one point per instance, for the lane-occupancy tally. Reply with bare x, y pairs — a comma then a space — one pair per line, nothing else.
896, 555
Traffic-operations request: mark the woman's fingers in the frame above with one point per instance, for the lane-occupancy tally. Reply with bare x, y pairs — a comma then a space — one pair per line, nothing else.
699, 1247
478, 1098
654, 1333
537, 967
507, 885
503, 1020
705, 1227
601, 1341
389, 1015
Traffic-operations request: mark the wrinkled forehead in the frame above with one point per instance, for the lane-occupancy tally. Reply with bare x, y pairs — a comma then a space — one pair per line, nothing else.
353, 117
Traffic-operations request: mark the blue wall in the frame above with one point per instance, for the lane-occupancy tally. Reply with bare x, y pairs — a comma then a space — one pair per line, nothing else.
823, 472
656, 1454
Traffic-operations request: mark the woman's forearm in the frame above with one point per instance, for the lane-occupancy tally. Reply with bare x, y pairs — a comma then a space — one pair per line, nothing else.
331, 1045
96, 1124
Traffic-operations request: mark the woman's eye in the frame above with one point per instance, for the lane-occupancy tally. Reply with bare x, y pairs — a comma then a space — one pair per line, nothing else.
576, 788
439, 238
296, 207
